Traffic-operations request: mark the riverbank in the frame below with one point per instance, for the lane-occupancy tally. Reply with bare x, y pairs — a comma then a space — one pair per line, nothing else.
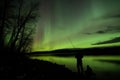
23, 68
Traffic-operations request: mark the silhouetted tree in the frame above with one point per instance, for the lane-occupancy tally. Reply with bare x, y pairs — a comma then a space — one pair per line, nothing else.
17, 24
4, 7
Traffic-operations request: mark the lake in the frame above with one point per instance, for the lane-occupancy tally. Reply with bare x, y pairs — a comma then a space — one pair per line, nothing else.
105, 67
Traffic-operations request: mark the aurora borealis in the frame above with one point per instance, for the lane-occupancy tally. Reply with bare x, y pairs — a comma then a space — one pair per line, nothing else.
77, 24
80, 24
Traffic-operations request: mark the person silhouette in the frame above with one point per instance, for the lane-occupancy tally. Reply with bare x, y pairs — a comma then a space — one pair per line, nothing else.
79, 57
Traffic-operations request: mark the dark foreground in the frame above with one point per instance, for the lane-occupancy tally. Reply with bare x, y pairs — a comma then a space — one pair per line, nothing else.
19, 67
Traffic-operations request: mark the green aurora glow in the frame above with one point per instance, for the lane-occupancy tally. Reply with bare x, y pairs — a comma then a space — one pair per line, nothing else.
75, 23
79, 24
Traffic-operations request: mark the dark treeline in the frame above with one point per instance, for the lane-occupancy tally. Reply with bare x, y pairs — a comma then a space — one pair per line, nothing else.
114, 50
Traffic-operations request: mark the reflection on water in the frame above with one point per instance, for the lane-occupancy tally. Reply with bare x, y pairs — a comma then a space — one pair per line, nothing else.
106, 67
98, 63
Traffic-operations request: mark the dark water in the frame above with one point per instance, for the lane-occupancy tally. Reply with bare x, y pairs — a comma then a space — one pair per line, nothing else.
105, 67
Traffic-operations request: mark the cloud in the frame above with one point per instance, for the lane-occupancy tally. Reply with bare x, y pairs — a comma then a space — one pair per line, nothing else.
113, 28
100, 32
111, 16
109, 29
97, 32
114, 40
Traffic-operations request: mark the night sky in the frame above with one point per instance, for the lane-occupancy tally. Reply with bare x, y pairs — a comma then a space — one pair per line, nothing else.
77, 24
